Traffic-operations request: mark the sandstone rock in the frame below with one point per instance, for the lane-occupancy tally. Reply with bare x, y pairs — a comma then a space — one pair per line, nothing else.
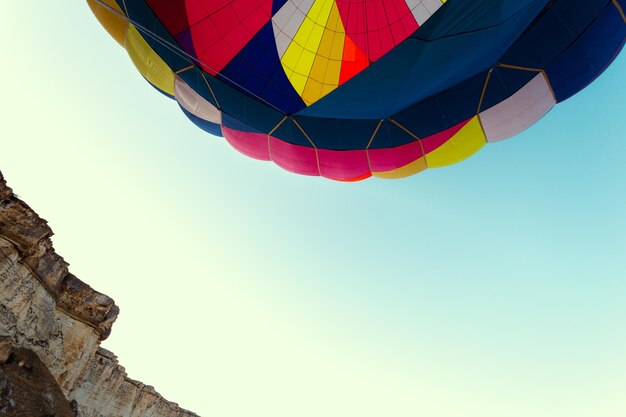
28, 389
46, 309
5, 349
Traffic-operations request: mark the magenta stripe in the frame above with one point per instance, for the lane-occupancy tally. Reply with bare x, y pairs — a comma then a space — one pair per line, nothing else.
294, 158
250, 144
343, 165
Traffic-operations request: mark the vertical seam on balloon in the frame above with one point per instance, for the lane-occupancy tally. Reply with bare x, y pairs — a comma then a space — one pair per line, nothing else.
269, 136
620, 10
367, 154
211, 91
545, 76
413, 135
180, 71
317, 156
482, 128
482, 94
125, 8
518, 67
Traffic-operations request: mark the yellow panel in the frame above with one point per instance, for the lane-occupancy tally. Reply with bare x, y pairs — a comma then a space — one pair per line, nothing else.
304, 64
114, 24
462, 145
148, 62
298, 59
414, 167
313, 89
327, 65
318, 71
327, 89
332, 72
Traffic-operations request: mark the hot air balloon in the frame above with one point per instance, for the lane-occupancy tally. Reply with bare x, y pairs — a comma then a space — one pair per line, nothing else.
348, 89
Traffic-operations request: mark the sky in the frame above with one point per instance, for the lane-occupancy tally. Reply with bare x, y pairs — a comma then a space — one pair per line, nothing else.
491, 288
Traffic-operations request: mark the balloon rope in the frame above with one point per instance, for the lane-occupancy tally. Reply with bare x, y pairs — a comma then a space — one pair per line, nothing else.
177, 50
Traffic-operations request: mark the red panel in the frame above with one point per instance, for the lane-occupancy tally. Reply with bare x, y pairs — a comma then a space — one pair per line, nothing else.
353, 61
359, 178
219, 28
377, 26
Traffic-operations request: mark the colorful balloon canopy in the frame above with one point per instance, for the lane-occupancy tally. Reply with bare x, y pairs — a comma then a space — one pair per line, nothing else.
347, 89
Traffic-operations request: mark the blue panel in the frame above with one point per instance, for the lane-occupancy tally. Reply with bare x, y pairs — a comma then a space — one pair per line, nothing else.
423, 119
577, 14
389, 135
418, 69
235, 124
212, 128
249, 110
338, 134
462, 16
559, 26
257, 70
289, 132
589, 56
444, 110
276, 5
461, 102
428, 83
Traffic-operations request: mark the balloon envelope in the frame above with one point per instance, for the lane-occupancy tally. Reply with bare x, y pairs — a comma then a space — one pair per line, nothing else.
347, 89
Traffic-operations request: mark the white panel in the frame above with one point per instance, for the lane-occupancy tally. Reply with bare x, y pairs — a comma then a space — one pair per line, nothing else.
423, 9
432, 5
288, 20
195, 104
518, 112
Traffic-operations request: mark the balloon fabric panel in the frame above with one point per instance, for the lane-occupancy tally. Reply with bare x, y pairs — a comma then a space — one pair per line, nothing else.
349, 89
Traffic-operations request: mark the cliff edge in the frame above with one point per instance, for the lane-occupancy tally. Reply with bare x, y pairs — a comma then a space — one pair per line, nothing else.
49, 311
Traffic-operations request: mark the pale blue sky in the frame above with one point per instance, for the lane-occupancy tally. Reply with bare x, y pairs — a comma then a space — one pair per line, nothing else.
492, 288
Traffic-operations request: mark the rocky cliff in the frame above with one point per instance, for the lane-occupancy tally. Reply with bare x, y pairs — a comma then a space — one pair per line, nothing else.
47, 310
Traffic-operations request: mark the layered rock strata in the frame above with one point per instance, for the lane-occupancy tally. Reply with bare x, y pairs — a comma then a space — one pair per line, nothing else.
46, 309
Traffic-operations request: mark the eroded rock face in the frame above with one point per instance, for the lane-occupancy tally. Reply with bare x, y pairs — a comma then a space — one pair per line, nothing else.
27, 388
46, 309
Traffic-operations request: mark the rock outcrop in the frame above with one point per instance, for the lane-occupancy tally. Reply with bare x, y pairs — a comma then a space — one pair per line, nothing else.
27, 388
46, 309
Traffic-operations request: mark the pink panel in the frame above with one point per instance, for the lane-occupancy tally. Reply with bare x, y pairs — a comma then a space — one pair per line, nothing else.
433, 142
377, 26
294, 158
344, 165
223, 27
250, 144
382, 160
